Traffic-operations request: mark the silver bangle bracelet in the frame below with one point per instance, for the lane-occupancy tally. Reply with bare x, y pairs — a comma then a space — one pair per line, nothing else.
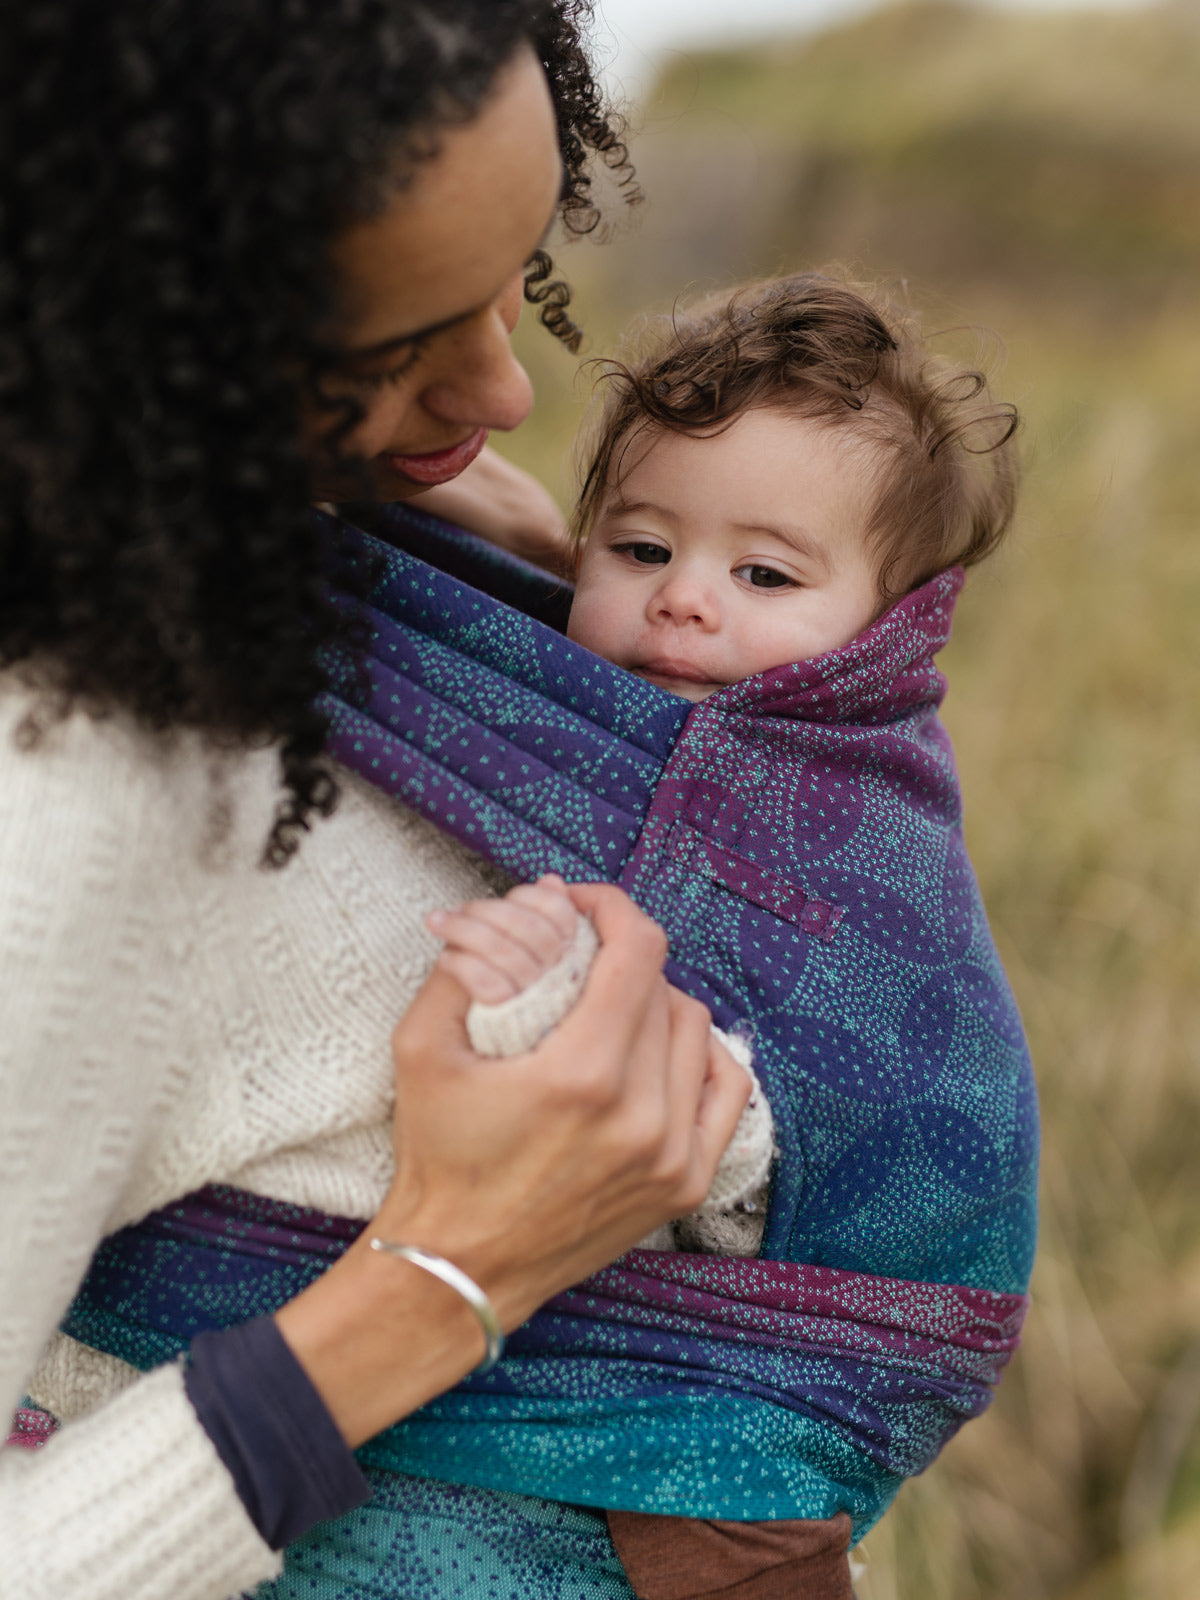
457, 1279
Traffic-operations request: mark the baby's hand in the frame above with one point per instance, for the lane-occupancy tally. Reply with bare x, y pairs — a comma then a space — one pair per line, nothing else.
497, 948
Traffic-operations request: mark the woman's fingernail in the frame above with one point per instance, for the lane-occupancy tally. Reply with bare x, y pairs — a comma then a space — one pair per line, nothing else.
435, 919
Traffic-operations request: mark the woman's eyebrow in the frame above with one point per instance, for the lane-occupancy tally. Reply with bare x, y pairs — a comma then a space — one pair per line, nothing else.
366, 351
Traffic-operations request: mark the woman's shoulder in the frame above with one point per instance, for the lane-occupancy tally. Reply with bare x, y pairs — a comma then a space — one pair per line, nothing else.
92, 802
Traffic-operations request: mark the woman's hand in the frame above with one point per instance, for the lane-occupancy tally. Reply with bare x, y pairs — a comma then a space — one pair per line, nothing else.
528, 1172
534, 1170
502, 503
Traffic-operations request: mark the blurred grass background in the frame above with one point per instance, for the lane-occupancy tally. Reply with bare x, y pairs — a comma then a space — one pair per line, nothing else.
1039, 175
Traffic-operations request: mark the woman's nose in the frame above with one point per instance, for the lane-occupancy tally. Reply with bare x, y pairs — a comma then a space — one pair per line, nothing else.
479, 382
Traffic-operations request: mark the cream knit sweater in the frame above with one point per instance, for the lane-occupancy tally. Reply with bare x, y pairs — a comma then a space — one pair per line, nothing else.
170, 1016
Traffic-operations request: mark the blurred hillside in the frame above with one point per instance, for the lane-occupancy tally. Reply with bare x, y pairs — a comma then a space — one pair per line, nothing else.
1038, 175
952, 146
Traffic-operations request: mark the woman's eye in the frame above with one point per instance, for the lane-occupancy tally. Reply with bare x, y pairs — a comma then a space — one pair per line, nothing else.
392, 374
764, 577
651, 555
406, 360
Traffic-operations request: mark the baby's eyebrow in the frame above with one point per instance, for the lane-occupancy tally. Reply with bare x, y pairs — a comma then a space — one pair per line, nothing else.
799, 539
621, 507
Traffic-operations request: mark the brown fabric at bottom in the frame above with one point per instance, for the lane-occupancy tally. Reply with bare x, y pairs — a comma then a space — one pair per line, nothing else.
686, 1558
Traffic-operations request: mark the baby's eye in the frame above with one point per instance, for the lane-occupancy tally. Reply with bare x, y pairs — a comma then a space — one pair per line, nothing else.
764, 577
651, 555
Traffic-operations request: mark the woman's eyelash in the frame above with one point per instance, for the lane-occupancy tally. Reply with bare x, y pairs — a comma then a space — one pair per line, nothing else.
380, 380
392, 374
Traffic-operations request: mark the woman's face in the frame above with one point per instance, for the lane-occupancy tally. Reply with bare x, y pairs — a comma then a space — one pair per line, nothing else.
431, 290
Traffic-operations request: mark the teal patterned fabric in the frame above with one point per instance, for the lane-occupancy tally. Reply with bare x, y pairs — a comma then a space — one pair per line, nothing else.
799, 837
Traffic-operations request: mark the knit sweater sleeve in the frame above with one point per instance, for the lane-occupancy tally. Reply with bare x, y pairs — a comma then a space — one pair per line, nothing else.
132, 1502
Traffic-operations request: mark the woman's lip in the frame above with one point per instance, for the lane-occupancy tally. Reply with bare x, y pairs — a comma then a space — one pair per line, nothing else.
681, 671
438, 466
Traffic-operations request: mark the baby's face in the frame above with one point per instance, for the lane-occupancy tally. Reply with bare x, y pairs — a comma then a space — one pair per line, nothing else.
714, 559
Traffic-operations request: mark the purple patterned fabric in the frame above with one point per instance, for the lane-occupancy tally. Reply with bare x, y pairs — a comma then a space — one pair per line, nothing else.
706, 1354
799, 838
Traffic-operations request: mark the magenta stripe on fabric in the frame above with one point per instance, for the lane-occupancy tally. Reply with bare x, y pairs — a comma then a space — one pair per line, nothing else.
31, 1428
961, 1333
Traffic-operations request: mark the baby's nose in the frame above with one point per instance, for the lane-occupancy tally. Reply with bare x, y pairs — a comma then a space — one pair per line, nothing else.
683, 599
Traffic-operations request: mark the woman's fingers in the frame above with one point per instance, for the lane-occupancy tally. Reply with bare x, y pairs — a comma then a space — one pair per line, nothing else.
726, 1089
625, 975
430, 1041
687, 1072
680, 1093
693, 1099
532, 1171
506, 505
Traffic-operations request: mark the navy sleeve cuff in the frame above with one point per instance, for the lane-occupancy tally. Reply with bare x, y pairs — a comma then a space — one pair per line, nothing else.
270, 1427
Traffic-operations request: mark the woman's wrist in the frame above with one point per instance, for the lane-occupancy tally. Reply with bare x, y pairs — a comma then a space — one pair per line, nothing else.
463, 1285
378, 1337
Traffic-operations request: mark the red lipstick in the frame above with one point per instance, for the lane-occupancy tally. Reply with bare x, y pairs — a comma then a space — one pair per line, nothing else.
438, 466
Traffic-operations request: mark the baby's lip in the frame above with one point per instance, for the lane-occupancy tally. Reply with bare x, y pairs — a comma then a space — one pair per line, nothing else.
668, 667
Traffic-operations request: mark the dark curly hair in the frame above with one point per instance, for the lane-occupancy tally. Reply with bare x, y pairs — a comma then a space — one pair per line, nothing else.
174, 172
942, 455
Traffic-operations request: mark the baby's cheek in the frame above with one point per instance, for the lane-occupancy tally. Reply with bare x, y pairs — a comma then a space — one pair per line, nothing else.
592, 623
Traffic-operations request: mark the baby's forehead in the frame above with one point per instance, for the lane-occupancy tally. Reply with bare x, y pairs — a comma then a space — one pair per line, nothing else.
763, 453
857, 434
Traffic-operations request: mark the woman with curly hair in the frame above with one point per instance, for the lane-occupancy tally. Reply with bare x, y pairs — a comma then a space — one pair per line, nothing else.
256, 253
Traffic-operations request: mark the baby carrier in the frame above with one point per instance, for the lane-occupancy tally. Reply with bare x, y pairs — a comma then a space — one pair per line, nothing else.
798, 837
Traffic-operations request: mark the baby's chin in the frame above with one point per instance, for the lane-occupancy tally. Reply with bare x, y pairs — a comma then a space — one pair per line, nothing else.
685, 688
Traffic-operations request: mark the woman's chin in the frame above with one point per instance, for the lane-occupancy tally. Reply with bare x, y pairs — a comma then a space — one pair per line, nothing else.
369, 486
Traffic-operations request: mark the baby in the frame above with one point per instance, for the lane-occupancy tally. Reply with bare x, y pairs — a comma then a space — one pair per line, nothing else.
774, 472
776, 469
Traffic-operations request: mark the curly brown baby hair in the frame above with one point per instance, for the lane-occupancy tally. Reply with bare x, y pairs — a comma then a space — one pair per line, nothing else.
939, 447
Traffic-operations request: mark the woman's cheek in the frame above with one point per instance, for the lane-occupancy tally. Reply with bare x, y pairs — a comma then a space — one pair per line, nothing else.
511, 302
383, 426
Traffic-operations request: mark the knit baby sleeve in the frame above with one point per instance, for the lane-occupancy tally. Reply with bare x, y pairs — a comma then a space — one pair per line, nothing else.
731, 1218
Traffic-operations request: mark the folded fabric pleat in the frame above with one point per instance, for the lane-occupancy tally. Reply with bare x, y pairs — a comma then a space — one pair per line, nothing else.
679, 1384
